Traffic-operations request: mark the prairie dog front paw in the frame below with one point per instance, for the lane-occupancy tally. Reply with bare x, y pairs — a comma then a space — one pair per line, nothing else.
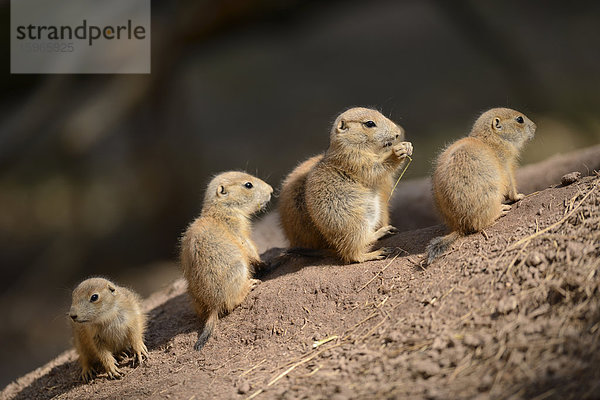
518, 197
403, 149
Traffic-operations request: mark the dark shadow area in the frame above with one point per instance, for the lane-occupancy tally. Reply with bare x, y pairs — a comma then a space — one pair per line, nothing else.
414, 242
271, 260
175, 316
57, 381
281, 263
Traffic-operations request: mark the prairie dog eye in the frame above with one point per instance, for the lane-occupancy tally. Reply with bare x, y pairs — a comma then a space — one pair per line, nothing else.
94, 298
519, 119
369, 124
248, 185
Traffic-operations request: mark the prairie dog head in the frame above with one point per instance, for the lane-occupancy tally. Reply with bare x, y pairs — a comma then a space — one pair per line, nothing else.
509, 125
367, 129
238, 190
93, 300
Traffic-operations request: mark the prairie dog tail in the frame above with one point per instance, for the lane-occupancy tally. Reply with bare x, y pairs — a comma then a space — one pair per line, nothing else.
439, 245
207, 330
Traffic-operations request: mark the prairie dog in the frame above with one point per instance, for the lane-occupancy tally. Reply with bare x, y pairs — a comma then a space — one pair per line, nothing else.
106, 320
475, 174
339, 200
217, 254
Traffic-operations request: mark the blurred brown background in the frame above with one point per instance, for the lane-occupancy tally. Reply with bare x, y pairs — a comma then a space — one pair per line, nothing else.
101, 174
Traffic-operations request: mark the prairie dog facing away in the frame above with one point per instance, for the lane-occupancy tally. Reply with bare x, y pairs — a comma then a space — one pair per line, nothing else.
339, 200
106, 319
475, 174
217, 253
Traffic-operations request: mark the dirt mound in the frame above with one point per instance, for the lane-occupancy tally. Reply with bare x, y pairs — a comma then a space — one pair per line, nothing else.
512, 312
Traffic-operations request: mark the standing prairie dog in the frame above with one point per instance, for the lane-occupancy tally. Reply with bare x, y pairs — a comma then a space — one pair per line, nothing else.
339, 200
474, 175
106, 320
217, 254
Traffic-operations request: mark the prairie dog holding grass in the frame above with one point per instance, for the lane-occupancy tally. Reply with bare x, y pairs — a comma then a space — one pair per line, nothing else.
339, 200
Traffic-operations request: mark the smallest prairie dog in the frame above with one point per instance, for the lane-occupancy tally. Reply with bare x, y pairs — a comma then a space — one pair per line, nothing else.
217, 254
106, 320
475, 174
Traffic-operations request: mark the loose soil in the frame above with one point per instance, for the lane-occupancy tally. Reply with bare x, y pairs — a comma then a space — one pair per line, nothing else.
512, 312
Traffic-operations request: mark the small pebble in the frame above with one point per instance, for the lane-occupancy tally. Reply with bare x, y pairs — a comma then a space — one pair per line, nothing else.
576, 249
570, 178
485, 383
439, 343
506, 305
472, 340
426, 368
244, 387
534, 259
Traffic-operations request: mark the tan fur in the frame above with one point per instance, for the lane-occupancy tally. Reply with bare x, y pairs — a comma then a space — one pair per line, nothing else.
339, 200
217, 254
295, 221
474, 175
112, 324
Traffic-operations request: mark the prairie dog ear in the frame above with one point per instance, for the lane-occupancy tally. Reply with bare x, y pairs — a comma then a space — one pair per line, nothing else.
221, 191
496, 125
112, 289
342, 126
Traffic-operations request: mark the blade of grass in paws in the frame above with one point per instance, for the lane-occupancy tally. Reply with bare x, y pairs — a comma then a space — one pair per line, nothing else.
400, 177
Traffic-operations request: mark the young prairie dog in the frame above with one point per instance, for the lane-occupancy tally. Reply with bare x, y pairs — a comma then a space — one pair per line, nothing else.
106, 320
475, 174
217, 254
339, 200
